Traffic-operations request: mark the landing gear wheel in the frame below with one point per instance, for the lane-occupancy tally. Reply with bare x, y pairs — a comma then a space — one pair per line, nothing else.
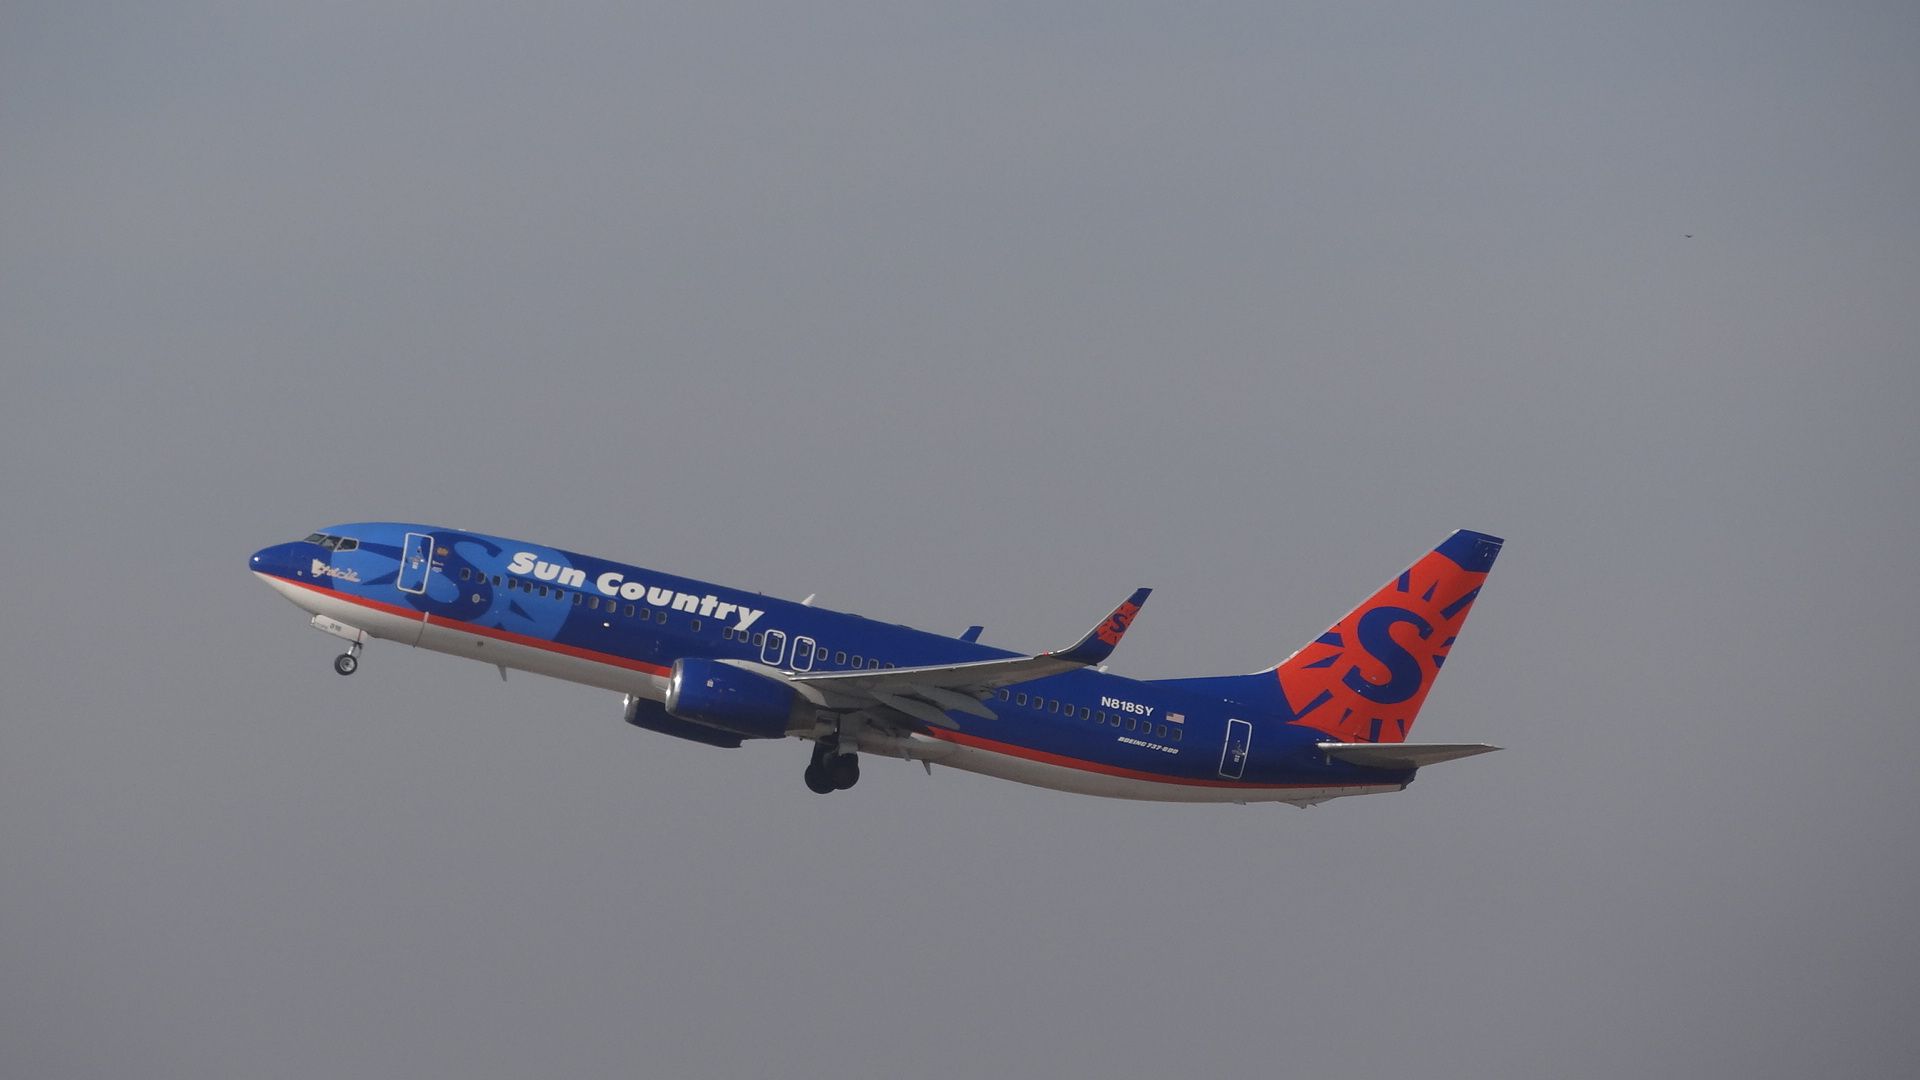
346, 663
817, 781
831, 770
843, 770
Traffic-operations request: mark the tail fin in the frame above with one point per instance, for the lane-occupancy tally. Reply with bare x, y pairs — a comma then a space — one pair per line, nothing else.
1365, 678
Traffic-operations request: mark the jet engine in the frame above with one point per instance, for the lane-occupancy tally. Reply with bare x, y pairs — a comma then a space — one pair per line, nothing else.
649, 714
731, 699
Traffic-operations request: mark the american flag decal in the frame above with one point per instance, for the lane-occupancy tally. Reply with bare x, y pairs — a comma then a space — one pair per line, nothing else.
1176, 718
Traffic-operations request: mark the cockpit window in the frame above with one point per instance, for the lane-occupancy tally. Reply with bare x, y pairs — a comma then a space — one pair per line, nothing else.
333, 543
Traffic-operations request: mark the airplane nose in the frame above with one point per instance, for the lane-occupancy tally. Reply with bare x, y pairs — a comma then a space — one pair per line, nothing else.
273, 560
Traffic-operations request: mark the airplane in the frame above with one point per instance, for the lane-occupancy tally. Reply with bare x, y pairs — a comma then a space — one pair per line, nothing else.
722, 666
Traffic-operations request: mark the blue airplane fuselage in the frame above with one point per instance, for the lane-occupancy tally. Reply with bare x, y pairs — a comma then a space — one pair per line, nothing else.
624, 628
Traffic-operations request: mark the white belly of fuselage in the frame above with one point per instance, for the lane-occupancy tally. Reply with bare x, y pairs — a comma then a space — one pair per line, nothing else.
1088, 782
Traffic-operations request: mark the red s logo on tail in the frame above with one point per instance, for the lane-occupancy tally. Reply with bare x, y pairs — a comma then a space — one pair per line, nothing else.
1117, 623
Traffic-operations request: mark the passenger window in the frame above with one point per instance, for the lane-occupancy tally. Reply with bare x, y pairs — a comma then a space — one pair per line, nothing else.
1161, 731
758, 637
542, 589
856, 660
593, 603
464, 572
629, 611
1086, 713
693, 625
660, 617
1176, 734
1053, 706
873, 663
840, 657
578, 599
1003, 695
1020, 699
820, 653
496, 581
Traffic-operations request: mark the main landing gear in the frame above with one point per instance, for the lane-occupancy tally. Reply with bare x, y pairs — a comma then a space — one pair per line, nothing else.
348, 662
832, 769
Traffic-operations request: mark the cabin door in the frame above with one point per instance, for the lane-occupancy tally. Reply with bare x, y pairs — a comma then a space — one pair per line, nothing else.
416, 560
1233, 756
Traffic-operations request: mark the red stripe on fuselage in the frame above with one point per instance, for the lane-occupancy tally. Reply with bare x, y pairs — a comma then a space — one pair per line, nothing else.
1045, 758
610, 659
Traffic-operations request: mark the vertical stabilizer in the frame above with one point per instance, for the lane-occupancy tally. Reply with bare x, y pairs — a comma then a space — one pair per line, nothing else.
1364, 680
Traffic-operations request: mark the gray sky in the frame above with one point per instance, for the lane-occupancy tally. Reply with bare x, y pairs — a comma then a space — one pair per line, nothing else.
952, 314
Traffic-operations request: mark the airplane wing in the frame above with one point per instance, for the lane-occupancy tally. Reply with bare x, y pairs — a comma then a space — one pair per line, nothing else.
927, 694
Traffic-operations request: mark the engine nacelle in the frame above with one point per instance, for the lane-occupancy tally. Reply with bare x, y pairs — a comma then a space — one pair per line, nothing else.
651, 715
723, 696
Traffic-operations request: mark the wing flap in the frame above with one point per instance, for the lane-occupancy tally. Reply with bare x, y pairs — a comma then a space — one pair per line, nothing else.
919, 710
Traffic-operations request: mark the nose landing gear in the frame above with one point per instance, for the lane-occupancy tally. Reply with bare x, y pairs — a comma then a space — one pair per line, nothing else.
348, 662
832, 768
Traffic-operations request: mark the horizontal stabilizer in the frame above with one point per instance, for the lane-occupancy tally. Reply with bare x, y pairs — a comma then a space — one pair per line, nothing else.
1401, 755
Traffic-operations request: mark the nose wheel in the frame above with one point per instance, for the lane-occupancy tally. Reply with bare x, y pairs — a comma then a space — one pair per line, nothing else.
348, 662
832, 769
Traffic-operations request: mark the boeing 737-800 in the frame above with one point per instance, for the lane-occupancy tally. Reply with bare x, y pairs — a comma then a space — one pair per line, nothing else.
720, 666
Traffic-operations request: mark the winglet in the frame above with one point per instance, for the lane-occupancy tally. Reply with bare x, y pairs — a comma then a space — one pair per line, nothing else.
1100, 641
